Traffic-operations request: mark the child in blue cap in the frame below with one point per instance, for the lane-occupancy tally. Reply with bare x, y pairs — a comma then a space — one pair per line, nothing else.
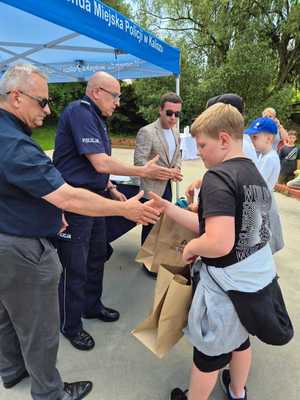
263, 132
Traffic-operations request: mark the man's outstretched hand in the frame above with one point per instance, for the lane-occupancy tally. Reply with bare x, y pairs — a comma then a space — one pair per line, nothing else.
155, 171
142, 213
177, 175
158, 202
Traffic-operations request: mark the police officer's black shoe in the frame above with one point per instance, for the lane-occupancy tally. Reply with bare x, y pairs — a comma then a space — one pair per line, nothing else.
82, 341
104, 314
14, 382
76, 390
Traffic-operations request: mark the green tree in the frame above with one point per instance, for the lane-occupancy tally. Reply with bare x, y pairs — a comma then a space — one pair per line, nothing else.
127, 119
62, 94
244, 46
212, 28
120, 6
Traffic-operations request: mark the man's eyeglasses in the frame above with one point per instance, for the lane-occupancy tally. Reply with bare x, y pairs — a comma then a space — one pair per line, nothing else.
115, 96
42, 101
169, 113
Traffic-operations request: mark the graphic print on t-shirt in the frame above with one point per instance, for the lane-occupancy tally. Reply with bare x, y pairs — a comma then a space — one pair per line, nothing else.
255, 227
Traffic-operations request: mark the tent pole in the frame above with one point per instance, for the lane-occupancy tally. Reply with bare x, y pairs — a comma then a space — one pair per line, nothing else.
178, 126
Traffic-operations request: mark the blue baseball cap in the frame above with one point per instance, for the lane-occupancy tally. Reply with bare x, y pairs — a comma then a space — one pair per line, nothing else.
262, 125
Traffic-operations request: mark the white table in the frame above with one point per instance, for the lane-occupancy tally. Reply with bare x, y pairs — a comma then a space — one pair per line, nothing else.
188, 147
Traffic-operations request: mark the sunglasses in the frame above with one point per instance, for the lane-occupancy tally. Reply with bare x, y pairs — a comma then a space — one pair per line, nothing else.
43, 102
115, 96
169, 113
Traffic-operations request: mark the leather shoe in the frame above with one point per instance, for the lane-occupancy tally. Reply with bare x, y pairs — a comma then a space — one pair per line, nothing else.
82, 341
104, 314
76, 390
14, 382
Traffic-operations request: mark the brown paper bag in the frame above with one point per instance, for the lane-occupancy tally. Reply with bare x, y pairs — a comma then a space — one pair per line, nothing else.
164, 244
163, 327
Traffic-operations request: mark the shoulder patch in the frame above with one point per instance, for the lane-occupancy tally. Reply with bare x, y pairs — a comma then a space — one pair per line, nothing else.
87, 103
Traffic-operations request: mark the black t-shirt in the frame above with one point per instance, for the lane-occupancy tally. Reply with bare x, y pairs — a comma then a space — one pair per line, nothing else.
288, 158
236, 188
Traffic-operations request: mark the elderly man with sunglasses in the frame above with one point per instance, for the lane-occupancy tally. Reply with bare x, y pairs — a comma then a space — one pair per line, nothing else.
83, 156
160, 138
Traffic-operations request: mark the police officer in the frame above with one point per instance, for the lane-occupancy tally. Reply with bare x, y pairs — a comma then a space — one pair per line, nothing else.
83, 156
32, 194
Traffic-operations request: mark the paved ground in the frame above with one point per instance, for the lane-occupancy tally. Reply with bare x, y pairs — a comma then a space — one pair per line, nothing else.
122, 369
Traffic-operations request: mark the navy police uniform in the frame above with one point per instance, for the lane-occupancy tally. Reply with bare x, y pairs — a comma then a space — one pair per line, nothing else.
83, 246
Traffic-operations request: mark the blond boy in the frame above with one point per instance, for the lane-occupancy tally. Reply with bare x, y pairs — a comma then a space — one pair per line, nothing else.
233, 228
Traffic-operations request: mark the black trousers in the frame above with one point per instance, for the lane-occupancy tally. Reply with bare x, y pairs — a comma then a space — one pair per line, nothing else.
82, 251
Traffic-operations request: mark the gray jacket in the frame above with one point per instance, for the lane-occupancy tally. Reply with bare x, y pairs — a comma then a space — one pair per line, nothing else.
214, 327
150, 141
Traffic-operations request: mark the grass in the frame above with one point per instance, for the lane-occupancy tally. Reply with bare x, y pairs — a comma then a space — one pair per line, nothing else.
45, 136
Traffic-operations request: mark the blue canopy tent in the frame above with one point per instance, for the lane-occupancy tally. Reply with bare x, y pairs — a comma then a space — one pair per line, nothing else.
71, 39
